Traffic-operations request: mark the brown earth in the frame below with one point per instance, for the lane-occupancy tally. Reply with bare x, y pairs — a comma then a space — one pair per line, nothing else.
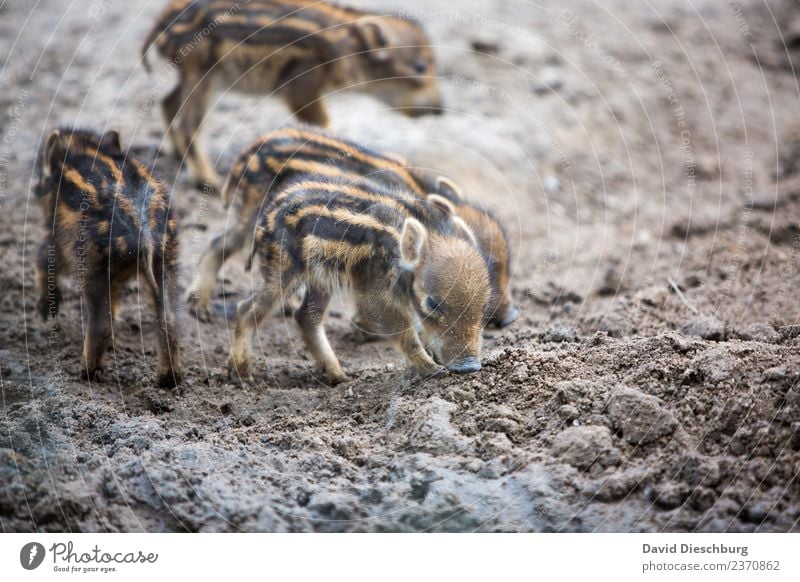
644, 157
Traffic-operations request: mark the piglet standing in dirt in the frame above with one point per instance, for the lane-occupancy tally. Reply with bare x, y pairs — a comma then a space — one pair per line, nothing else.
411, 267
297, 49
289, 152
108, 221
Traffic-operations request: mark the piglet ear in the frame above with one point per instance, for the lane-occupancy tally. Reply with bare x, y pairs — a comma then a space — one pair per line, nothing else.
110, 140
448, 189
464, 230
441, 202
412, 244
374, 34
53, 153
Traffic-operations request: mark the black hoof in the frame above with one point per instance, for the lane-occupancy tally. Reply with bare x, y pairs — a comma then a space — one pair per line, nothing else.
170, 380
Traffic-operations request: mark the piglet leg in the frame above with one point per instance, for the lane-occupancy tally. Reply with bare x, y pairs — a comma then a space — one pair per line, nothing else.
310, 316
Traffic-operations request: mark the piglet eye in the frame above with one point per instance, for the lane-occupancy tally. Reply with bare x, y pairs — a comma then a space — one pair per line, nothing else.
40, 189
432, 304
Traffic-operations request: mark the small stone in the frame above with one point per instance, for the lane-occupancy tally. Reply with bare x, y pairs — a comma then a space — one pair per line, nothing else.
552, 184
707, 167
788, 332
568, 412
485, 45
702, 498
705, 327
503, 425
758, 332
599, 338
158, 402
795, 440
643, 239
559, 334
495, 443
680, 343
582, 446
776, 373
671, 495
619, 484
653, 296
474, 465
503, 419
755, 512
564, 392
550, 79
612, 282
110, 489
767, 202
640, 417
692, 281
520, 373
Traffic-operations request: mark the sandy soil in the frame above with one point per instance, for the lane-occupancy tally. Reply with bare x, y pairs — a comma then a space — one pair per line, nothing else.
645, 159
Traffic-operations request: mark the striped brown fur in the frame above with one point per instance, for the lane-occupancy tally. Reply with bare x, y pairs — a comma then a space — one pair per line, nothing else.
297, 49
289, 152
108, 221
411, 268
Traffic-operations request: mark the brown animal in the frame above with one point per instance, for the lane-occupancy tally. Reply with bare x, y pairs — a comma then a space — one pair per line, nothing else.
411, 267
108, 221
298, 49
287, 153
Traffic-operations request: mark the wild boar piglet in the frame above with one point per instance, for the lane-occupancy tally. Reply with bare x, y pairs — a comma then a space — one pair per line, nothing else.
411, 267
297, 49
108, 221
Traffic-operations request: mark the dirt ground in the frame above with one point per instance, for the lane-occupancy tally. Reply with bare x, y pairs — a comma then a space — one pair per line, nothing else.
645, 158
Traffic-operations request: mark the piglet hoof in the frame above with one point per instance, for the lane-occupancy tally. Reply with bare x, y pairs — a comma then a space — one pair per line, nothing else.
203, 315
47, 306
202, 311
94, 375
170, 379
240, 373
334, 378
42, 308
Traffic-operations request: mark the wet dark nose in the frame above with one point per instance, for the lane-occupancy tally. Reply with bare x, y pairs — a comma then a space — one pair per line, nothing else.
465, 366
